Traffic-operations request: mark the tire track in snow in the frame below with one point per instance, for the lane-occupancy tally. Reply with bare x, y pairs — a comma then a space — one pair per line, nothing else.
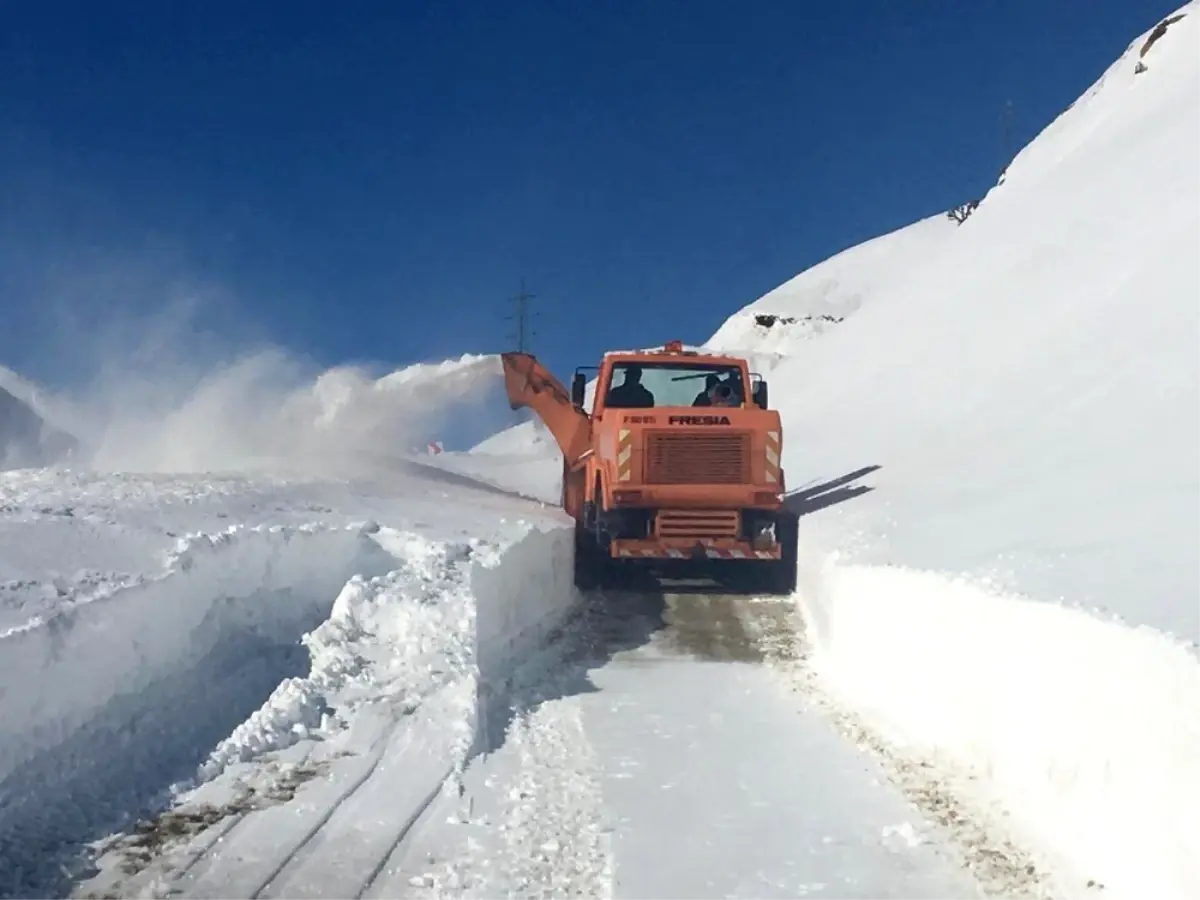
261, 848
531, 820
411, 765
772, 631
345, 849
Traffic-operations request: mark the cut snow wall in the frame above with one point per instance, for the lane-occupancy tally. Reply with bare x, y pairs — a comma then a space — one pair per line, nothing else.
522, 597
1086, 731
106, 703
121, 698
72, 664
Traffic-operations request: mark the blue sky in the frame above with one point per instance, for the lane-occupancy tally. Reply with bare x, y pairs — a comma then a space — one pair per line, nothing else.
370, 181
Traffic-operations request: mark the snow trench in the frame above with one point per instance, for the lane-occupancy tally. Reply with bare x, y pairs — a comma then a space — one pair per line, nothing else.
250, 641
1081, 736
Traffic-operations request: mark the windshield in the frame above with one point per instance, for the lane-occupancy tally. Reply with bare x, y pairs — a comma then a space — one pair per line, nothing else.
641, 385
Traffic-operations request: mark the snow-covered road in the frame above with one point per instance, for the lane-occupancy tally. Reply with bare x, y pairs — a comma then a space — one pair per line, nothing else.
695, 773
276, 687
653, 754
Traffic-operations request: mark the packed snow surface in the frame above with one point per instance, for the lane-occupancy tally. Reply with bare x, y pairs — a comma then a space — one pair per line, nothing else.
674, 752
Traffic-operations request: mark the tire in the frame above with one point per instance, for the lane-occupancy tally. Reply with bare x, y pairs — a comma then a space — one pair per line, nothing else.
780, 576
587, 558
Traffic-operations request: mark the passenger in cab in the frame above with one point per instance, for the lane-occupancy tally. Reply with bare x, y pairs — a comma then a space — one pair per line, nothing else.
723, 395
717, 393
704, 398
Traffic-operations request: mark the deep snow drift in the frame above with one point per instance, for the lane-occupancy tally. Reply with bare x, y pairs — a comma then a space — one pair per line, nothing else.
170, 633
1004, 425
1031, 387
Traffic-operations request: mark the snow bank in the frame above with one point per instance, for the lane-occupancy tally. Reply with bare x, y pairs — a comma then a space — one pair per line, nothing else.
1086, 731
122, 642
393, 637
523, 593
445, 612
108, 702
407, 658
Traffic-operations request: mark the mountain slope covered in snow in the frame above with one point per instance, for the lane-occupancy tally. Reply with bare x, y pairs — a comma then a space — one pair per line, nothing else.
824, 296
1031, 395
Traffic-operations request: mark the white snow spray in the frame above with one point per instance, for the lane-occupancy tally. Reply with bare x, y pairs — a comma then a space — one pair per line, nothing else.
262, 413
152, 366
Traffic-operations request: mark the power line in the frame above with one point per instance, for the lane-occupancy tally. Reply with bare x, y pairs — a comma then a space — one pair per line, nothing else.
523, 318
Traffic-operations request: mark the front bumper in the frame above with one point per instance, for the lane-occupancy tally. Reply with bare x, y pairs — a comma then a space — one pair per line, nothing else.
691, 548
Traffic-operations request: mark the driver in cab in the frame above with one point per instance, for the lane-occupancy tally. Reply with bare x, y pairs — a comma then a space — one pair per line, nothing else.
630, 393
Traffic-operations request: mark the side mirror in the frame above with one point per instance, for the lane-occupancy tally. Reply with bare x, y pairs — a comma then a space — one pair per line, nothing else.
760, 394
578, 388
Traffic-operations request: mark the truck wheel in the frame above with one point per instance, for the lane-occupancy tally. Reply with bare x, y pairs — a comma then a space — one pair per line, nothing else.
781, 577
587, 560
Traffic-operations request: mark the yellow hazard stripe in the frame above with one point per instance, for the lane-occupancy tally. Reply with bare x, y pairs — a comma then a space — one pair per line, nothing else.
624, 455
771, 450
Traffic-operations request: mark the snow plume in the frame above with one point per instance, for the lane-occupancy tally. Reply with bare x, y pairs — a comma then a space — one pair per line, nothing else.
160, 371
263, 411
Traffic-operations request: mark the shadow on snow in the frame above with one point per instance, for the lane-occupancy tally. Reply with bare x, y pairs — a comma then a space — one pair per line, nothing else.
808, 500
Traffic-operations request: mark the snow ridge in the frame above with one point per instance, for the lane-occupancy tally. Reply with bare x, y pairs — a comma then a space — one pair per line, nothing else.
121, 695
393, 638
1085, 730
405, 672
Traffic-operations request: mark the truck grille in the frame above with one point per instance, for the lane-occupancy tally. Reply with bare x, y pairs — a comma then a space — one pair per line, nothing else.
697, 523
697, 458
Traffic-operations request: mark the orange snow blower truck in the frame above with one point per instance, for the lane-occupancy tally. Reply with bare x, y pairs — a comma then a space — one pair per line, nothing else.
675, 472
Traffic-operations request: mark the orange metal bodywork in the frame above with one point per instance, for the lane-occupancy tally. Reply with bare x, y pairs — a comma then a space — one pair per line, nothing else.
645, 458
